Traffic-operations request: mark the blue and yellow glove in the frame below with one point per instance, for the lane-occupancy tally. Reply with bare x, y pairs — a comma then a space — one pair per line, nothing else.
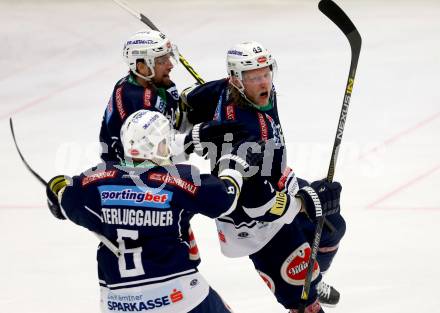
53, 188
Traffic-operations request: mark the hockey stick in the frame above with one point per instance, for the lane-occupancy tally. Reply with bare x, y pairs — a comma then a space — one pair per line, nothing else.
150, 24
337, 16
103, 239
11, 125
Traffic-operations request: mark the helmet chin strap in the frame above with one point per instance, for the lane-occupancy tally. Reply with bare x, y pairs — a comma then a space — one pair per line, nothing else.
149, 77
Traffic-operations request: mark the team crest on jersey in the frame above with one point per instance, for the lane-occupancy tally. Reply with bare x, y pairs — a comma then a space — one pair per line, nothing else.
269, 282
174, 181
294, 268
101, 175
114, 195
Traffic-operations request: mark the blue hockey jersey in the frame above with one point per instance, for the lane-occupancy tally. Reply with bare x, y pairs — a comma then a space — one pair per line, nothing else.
263, 208
146, 213
211, 101
128, 97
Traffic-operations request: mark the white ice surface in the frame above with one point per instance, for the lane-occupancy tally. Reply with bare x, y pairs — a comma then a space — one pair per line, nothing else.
59, 62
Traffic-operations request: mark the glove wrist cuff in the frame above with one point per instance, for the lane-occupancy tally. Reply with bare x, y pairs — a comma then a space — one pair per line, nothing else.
195, 134
311, 200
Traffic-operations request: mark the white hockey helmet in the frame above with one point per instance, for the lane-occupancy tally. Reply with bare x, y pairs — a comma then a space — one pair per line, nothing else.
147, 45
143, 132
248, 56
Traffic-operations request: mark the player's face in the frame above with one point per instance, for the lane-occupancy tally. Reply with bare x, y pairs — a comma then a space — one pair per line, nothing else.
162, 68
257, 85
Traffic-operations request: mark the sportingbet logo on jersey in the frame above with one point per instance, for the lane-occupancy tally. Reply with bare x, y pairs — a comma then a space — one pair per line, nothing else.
134, 196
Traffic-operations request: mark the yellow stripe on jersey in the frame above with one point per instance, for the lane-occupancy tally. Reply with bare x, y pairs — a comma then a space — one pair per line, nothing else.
280, 204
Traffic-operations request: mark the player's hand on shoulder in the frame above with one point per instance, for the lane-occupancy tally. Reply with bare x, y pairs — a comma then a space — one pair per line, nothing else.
54, 188
210, 135
183, 98
321, 198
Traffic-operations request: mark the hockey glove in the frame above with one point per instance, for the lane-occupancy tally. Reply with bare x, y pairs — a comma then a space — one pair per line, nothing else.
184, 106
321, 198
53, 188
245, 157
212, 134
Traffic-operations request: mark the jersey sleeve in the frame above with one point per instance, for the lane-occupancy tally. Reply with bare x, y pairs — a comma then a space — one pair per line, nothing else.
81, 205
202, 100
262, 202
114, 115
214, 196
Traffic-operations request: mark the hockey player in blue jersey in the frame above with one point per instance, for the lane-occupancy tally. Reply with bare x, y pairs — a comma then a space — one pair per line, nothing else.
278, 246
141, 209
150, 57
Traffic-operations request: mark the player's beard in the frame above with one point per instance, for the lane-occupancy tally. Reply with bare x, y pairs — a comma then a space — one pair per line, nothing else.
164, 81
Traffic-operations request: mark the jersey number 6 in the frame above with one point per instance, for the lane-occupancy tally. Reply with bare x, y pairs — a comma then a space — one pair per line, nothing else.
135, 252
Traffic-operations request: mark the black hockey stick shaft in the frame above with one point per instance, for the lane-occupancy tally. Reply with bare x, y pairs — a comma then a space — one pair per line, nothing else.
103, 239
150, 24
36, 175
337, 16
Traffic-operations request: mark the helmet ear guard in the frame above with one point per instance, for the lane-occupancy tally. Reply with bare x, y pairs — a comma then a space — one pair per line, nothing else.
233, 80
